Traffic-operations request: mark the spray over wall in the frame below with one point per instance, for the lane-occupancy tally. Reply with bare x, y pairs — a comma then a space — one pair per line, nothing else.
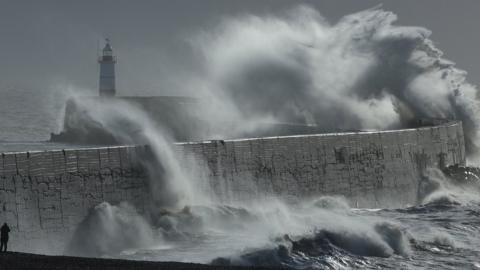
170, 184
363, 72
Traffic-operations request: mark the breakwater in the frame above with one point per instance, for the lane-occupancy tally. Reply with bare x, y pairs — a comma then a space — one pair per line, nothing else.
371, 169
44, 195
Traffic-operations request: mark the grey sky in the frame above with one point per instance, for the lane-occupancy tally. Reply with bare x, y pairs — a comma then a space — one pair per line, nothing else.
46, 42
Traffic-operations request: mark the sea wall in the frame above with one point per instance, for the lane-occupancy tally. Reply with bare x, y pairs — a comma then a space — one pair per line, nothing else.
45, 195
371, 169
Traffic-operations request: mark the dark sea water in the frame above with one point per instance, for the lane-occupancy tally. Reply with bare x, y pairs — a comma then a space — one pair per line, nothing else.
437, 236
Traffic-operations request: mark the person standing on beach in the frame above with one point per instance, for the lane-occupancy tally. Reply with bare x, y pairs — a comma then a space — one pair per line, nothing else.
4, 237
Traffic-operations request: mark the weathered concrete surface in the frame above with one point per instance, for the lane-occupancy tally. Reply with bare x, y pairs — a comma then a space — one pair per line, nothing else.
44, 195
372, 169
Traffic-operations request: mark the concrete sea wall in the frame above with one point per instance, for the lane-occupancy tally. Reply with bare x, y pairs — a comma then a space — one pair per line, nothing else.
371, 169
44, 195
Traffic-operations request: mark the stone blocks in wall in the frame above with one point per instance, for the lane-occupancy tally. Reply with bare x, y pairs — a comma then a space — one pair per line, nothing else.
372, 169
44, 195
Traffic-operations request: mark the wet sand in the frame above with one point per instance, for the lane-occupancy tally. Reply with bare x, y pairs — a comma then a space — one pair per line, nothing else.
24, 261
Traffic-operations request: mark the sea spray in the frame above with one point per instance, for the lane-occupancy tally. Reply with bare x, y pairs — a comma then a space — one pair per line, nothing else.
316, 229
171, 185
363, 72
436, 188
109, 230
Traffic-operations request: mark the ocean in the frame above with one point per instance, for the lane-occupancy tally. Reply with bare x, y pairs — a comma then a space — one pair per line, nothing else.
28, 117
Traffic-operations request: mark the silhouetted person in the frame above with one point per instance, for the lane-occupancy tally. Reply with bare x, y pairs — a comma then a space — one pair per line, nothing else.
4, 237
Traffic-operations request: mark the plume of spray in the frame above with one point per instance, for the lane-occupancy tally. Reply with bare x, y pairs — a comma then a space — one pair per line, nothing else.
109, 230
436, 188
170, 183
61, 92
363, 72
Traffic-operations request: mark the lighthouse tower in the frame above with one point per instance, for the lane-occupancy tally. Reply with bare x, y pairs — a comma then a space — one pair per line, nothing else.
107, 71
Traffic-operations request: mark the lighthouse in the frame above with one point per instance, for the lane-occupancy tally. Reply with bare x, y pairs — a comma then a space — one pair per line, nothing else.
107, 71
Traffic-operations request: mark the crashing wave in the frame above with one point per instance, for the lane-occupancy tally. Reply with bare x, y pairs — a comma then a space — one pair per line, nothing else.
324, 245
364, 72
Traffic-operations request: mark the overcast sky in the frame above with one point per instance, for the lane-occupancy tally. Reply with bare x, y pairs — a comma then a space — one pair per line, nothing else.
47, 42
